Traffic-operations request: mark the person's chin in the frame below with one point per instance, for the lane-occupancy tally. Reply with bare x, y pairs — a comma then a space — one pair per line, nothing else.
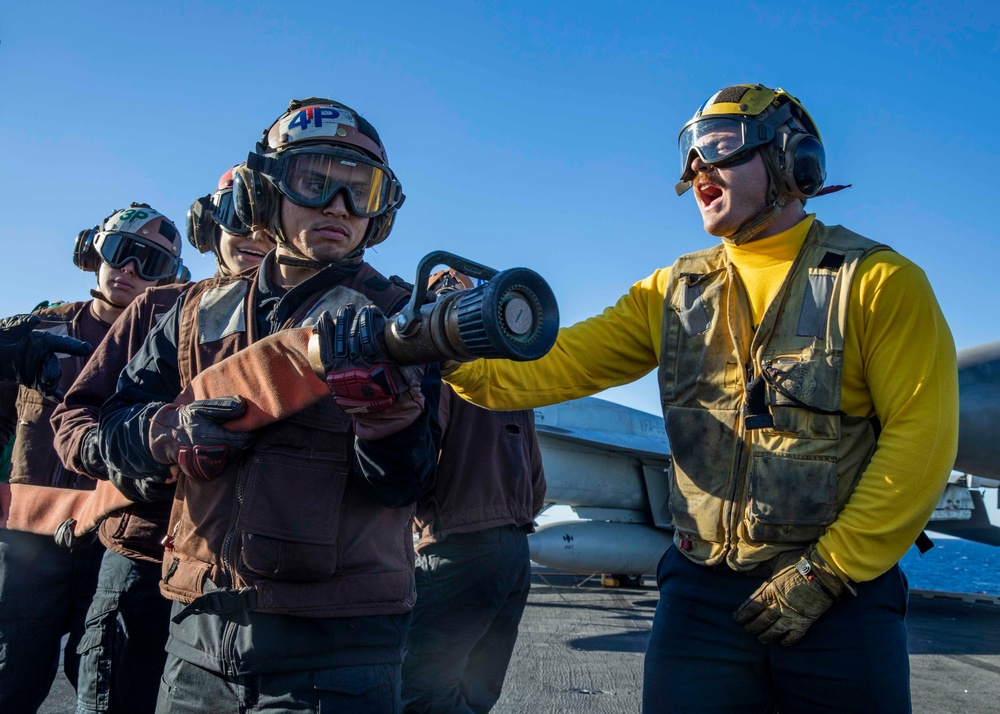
713, 228
330, 253
245, 263
123, 296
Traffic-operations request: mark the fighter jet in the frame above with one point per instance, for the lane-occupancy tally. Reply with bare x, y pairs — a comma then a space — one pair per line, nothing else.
608, 463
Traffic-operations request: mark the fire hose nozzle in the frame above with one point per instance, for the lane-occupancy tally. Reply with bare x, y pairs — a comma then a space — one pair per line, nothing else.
514, 315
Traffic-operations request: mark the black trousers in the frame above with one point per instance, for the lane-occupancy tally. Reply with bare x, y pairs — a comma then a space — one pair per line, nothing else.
121, 653
852, 659
44, 594
471, 593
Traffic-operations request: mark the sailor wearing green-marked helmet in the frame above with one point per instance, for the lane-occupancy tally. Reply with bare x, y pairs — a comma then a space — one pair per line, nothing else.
45, 589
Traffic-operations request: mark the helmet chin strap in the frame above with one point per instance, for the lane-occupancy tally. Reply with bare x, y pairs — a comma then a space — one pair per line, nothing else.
297, 259
752, 229
98, 295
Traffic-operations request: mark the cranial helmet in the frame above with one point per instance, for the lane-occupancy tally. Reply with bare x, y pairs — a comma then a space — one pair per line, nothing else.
444, 281
736, 121
317, 148
212, 214
124, 237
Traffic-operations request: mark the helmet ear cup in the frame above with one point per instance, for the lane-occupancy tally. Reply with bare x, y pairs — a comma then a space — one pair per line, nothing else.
202, 230
85, 255
802, 165
182, 275
380, 226
255, 198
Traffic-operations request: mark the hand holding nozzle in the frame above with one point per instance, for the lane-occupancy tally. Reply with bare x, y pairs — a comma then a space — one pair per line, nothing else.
349, 351
514, 316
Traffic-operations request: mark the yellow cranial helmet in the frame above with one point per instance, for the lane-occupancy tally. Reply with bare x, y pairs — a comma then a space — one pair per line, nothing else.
736, 121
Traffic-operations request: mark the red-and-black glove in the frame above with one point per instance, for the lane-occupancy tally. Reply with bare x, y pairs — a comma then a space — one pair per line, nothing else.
383, 397
192, 436
28, 356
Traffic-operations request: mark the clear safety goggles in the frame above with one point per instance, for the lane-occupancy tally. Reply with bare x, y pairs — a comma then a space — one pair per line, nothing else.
313, 177
222, 208
720, 141
153, 260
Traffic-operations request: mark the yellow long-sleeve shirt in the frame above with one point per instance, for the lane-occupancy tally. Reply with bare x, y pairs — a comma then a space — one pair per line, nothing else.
899, 365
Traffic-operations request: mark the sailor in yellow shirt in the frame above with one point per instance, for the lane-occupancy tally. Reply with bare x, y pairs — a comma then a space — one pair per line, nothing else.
810, 396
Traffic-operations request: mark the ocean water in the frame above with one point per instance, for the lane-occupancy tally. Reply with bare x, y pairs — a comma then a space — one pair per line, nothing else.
954, 565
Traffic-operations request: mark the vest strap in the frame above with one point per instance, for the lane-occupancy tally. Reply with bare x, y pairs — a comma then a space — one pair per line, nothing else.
923, 542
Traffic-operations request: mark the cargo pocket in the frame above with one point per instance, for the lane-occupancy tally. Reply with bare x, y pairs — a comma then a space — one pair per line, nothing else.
291, 514
97, 647
792, 498
803, 395
373, 689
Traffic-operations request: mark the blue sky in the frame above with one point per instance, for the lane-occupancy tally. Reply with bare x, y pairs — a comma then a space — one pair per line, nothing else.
525, 133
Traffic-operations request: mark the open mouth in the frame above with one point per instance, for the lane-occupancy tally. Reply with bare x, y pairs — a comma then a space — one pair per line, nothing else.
252, 253
708, 194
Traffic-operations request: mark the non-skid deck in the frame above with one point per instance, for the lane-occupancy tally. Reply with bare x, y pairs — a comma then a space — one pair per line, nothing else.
581, 646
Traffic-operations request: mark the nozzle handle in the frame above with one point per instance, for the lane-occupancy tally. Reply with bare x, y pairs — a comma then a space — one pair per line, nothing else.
407, 318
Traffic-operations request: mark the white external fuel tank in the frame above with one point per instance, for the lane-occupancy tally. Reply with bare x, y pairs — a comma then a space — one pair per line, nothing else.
599, 547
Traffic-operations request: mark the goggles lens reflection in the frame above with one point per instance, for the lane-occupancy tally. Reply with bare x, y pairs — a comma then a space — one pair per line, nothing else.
154, 261
312, 179
223, 210
719, 141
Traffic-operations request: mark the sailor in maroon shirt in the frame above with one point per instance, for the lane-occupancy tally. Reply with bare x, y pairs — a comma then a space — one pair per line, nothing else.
122, 652
44, 589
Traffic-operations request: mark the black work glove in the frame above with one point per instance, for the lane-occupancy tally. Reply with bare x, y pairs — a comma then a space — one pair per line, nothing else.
191, 436
383, 397
802, 587
90, 455
28, 356
66, 539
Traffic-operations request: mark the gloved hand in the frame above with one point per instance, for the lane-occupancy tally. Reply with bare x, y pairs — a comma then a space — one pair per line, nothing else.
801, 588
28, 356
192, 437
383, 397
66, 539
90, 455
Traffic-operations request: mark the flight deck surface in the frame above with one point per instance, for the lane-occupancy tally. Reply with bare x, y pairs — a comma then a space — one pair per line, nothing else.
580, 651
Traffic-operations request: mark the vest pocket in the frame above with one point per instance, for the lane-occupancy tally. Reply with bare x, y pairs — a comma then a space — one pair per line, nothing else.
33, 459
184, 578
804, 424
792, 498
700, 481
291, 514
